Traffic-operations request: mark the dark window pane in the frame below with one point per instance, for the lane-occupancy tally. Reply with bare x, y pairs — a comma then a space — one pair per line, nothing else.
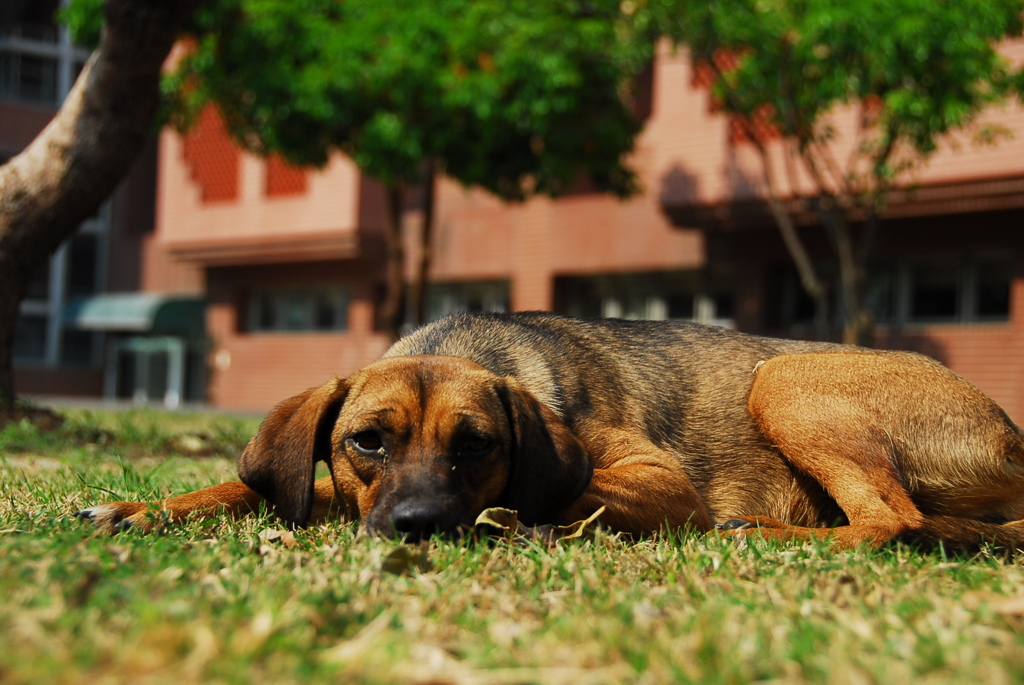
934, 292
35, 19
723, 306
28, 78
295, 310
478, 296
324, 313
657, 295
581, 298
680, 306
880, 295
82, 266
803, 305
262, 312
634, 306
992, 295
77, 347
40, 286
30, 339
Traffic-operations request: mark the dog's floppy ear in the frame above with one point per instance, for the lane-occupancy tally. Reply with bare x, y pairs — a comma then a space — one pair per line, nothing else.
550, 467
280, 461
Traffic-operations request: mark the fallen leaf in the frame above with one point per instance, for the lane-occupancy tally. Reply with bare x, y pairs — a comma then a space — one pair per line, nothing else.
285, 537
497, 521
505, 522
575, 530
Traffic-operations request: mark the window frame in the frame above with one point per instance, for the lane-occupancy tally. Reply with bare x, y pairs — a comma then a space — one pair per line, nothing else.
293, 310
968, 270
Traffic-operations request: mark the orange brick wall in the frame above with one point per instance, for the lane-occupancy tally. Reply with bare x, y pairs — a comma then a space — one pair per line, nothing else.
267, 368
257, 370
211, 195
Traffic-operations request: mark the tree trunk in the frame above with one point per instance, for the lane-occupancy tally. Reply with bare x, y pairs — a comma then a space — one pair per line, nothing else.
12, 292
809, 279
392, 312
865, 248
851, 282
418, 288
77, 161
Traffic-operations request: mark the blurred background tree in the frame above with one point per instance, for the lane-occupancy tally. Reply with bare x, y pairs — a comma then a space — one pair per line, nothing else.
915, 70
519, 98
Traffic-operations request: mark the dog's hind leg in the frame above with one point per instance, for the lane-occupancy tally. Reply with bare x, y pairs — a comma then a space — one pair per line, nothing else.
906, 448
828, 431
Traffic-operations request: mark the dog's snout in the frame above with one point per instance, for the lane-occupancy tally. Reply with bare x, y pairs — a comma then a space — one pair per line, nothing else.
418, 519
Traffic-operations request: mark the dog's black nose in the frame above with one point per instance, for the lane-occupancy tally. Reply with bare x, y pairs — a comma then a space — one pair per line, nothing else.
418, 519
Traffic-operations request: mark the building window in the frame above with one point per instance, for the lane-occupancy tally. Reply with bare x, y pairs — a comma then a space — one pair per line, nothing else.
39, 288
212, 157
83, 265
78, 348
966, 290
880, 295
935, 291
28, 78
30, 338
38, 65
38, 61
990, 296
476, 296
971, 289
75, 270
283, 179
298, 310
655, 296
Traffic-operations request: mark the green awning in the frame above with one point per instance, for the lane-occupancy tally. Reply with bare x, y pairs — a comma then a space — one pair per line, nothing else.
149, 313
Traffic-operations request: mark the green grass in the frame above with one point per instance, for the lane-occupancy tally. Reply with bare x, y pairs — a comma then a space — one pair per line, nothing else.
227, 602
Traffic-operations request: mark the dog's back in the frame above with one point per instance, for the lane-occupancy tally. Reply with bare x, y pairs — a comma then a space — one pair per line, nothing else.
654, 373
573, 365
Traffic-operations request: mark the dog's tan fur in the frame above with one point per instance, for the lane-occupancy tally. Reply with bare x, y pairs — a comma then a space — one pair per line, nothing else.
664, 424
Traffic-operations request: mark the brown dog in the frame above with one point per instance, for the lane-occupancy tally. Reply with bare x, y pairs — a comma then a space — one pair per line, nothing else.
666, 424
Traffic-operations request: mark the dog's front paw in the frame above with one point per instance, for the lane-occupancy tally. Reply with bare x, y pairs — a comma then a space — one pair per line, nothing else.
113, 517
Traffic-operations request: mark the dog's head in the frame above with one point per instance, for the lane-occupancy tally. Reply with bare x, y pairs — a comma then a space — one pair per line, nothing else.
418, 445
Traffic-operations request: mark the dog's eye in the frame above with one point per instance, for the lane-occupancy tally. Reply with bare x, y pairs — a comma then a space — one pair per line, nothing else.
367, 442
474, 445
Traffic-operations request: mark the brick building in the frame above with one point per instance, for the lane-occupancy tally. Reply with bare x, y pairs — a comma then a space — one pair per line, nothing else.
290, 261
